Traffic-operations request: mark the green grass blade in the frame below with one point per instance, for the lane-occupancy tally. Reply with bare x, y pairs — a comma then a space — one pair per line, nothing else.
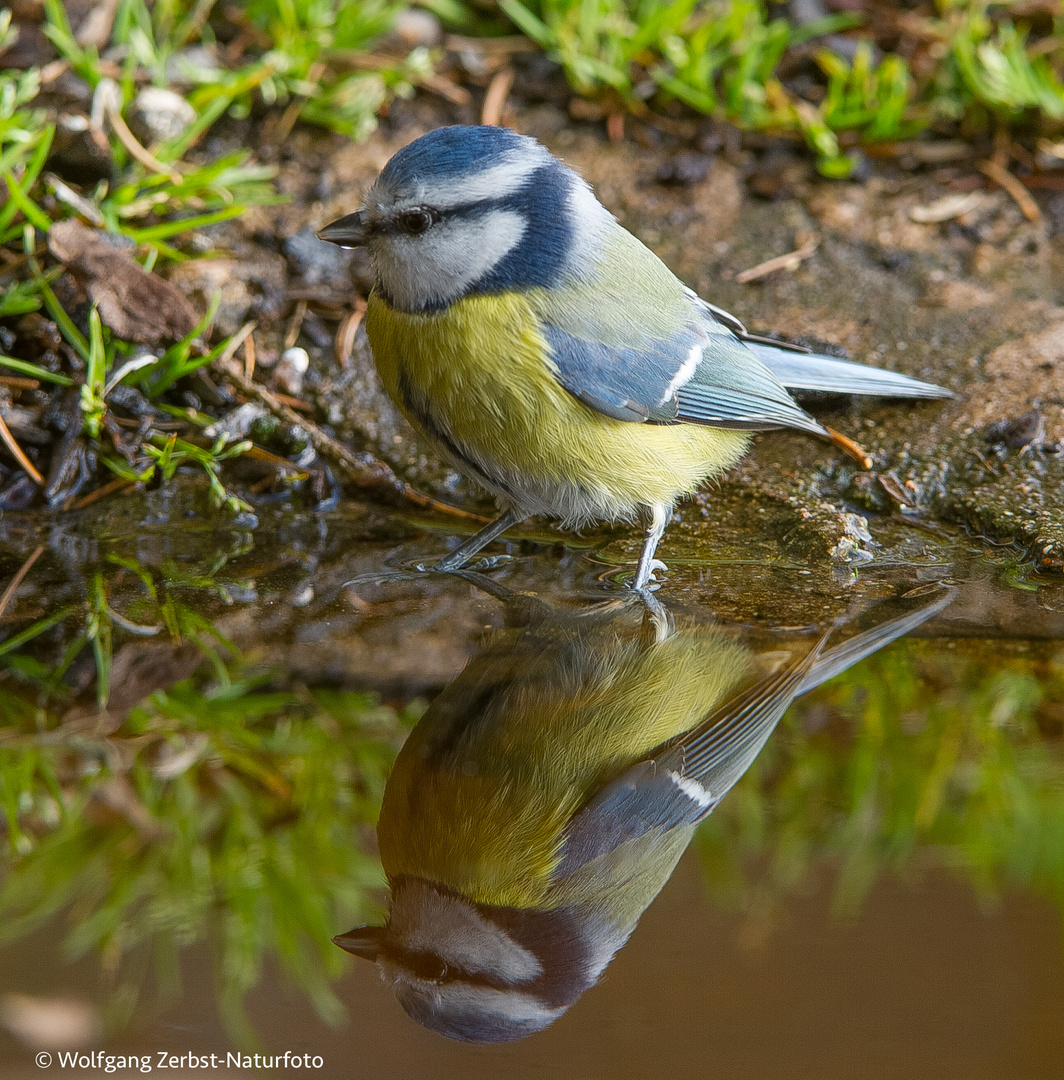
35, 372
171, 228
62, 319
32, 212
36, 629
29, 177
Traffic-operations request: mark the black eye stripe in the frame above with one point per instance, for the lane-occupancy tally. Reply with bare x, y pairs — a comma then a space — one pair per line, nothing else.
461, 212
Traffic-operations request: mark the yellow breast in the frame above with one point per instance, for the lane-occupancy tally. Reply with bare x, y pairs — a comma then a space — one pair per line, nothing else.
477, 380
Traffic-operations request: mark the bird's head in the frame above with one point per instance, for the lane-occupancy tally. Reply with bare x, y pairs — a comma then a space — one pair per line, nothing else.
479, 973
467, 210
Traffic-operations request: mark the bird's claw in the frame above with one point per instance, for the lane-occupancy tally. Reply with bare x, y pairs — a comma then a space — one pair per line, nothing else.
488, 562
647, 583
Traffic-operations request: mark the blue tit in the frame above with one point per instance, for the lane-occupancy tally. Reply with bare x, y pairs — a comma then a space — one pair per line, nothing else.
546, 795
549, 354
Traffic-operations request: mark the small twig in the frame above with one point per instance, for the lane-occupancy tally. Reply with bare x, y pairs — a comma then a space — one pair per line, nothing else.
129, 141
1003, 178
345, 335
256, 453
291, 114
237, 340
457, 95
249, 357
117, 484
293, 402
495, 98
1022, 156
427, 502
66, 194
364, 473
845, 443
20, 457
19, 384
234, 51
916, 523
496, 46
986, 464
295, 324
791, 261
1002, 143
51, 72
17, 580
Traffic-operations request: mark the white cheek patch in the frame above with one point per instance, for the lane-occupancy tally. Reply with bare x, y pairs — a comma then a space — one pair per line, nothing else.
423, 920
471, 1011
437, 266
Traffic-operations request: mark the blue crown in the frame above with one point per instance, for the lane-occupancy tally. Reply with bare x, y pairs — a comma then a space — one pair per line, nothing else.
452, 151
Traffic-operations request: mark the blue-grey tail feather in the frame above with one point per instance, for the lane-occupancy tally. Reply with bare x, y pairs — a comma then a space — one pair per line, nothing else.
828, 374
838, 658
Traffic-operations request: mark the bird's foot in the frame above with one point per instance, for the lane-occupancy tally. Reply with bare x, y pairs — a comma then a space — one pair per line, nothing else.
645, 581
489, 562
450, 566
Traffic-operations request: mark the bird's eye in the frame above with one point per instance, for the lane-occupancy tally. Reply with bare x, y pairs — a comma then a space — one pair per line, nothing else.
415, 222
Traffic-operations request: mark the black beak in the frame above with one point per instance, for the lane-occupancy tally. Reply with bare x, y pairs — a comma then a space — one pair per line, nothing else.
348, 232
363, 941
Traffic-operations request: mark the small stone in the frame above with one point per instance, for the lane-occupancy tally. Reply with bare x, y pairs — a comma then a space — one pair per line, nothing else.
158, 115
1026, 430
290, 370
194, 65
685, 169
415, 27
237, 424
56, 1023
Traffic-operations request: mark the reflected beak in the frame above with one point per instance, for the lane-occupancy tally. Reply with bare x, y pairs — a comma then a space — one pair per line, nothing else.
348, 232
363, 941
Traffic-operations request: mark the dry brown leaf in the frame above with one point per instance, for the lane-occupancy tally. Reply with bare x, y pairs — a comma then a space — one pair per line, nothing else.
136, 306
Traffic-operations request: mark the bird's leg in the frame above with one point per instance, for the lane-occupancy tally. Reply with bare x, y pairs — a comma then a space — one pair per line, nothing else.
461, 555
656, 517
657, 622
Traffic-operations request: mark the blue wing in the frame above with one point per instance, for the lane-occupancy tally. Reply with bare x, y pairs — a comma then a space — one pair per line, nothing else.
706, 371
700, 374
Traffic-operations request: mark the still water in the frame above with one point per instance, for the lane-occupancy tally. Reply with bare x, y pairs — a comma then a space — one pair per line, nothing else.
198, 726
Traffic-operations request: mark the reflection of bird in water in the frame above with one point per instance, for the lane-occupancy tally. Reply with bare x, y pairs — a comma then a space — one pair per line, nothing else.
545, 797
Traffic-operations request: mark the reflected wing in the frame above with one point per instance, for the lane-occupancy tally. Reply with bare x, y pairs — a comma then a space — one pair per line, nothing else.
839, 657
682, 782
685, 779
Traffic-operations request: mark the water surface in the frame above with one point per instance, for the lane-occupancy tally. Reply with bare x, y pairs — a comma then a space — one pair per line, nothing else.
195, 750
